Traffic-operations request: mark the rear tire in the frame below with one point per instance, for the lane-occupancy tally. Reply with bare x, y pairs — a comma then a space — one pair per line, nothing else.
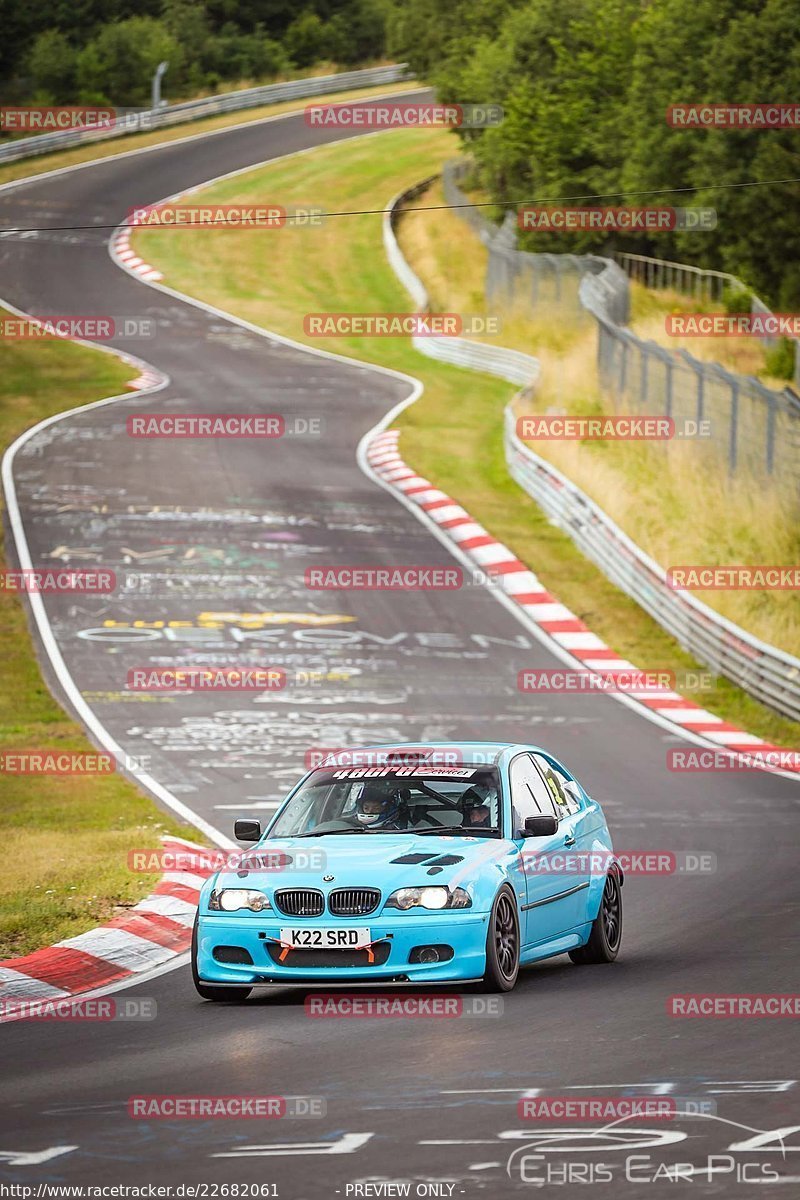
207, 990
502, 943
606, 936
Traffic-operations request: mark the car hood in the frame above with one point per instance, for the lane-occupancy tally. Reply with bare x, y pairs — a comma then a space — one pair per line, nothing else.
382, 860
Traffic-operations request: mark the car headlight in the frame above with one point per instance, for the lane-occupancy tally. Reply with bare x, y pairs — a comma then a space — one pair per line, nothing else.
233, 899
429, 897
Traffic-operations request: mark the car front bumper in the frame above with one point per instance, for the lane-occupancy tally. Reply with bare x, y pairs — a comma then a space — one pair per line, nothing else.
393, 942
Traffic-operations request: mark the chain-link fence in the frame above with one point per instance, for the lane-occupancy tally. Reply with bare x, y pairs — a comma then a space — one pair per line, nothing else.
767, 673
702, 285
753, 428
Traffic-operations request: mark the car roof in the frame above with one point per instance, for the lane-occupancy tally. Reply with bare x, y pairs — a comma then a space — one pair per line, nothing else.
489, 751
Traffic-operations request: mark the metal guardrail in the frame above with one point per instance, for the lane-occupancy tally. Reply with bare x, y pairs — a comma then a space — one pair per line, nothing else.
762, 670
699, 283
765, 672
752, 428
193, 110
459, 352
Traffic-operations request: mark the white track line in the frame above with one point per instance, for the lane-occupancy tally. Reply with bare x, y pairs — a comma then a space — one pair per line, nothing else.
416, 389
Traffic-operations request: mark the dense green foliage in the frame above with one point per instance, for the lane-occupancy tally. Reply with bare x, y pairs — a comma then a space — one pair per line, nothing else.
96, 52
585, 87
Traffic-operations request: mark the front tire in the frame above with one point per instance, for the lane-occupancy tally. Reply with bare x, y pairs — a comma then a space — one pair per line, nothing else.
207, 990
502, 943
606, 936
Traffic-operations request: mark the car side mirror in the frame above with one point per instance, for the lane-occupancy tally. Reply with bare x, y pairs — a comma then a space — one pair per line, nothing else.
539, 826
245, 830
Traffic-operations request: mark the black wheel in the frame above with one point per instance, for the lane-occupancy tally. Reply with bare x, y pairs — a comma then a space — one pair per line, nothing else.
502, 943
207, 990
606, 936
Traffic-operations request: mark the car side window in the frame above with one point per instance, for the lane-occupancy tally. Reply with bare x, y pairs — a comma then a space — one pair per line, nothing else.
565, 801
530, 795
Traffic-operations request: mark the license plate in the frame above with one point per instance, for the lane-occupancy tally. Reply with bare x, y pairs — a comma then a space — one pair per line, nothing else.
325, 939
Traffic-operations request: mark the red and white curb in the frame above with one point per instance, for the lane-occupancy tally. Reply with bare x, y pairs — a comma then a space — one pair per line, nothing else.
128, 258
146, 936
122, 253
554, 619
149, 378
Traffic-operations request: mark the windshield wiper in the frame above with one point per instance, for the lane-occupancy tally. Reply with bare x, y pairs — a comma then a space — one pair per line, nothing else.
328, 832
443, 829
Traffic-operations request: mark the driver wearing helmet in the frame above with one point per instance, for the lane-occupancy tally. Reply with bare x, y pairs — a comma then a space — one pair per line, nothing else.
380, 806
477, 802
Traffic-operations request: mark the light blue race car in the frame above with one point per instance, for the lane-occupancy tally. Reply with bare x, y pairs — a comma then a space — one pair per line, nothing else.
413, 865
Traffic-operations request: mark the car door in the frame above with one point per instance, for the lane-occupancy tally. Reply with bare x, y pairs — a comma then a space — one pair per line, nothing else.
549, 907
575, 826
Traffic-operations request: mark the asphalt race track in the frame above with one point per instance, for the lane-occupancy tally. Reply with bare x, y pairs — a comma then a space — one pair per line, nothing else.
211, 539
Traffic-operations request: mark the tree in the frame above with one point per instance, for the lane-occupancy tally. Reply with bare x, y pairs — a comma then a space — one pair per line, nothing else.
305, 40
117, 65
755, 60
51, 68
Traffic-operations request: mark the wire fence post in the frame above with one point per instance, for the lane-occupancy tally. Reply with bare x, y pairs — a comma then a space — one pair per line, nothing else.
734, 429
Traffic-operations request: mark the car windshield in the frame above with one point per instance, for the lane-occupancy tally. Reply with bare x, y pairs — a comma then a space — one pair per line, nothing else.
349, 800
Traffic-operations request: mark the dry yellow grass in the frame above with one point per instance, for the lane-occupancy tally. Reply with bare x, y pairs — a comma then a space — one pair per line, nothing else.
745, 355
674, 499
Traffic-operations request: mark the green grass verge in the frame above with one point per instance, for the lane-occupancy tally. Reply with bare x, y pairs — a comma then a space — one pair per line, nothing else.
453, 435
65, 838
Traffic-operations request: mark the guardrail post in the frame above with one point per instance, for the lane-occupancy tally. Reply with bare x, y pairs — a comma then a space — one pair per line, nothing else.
772, 405
155, 86
734, 429
701, 382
